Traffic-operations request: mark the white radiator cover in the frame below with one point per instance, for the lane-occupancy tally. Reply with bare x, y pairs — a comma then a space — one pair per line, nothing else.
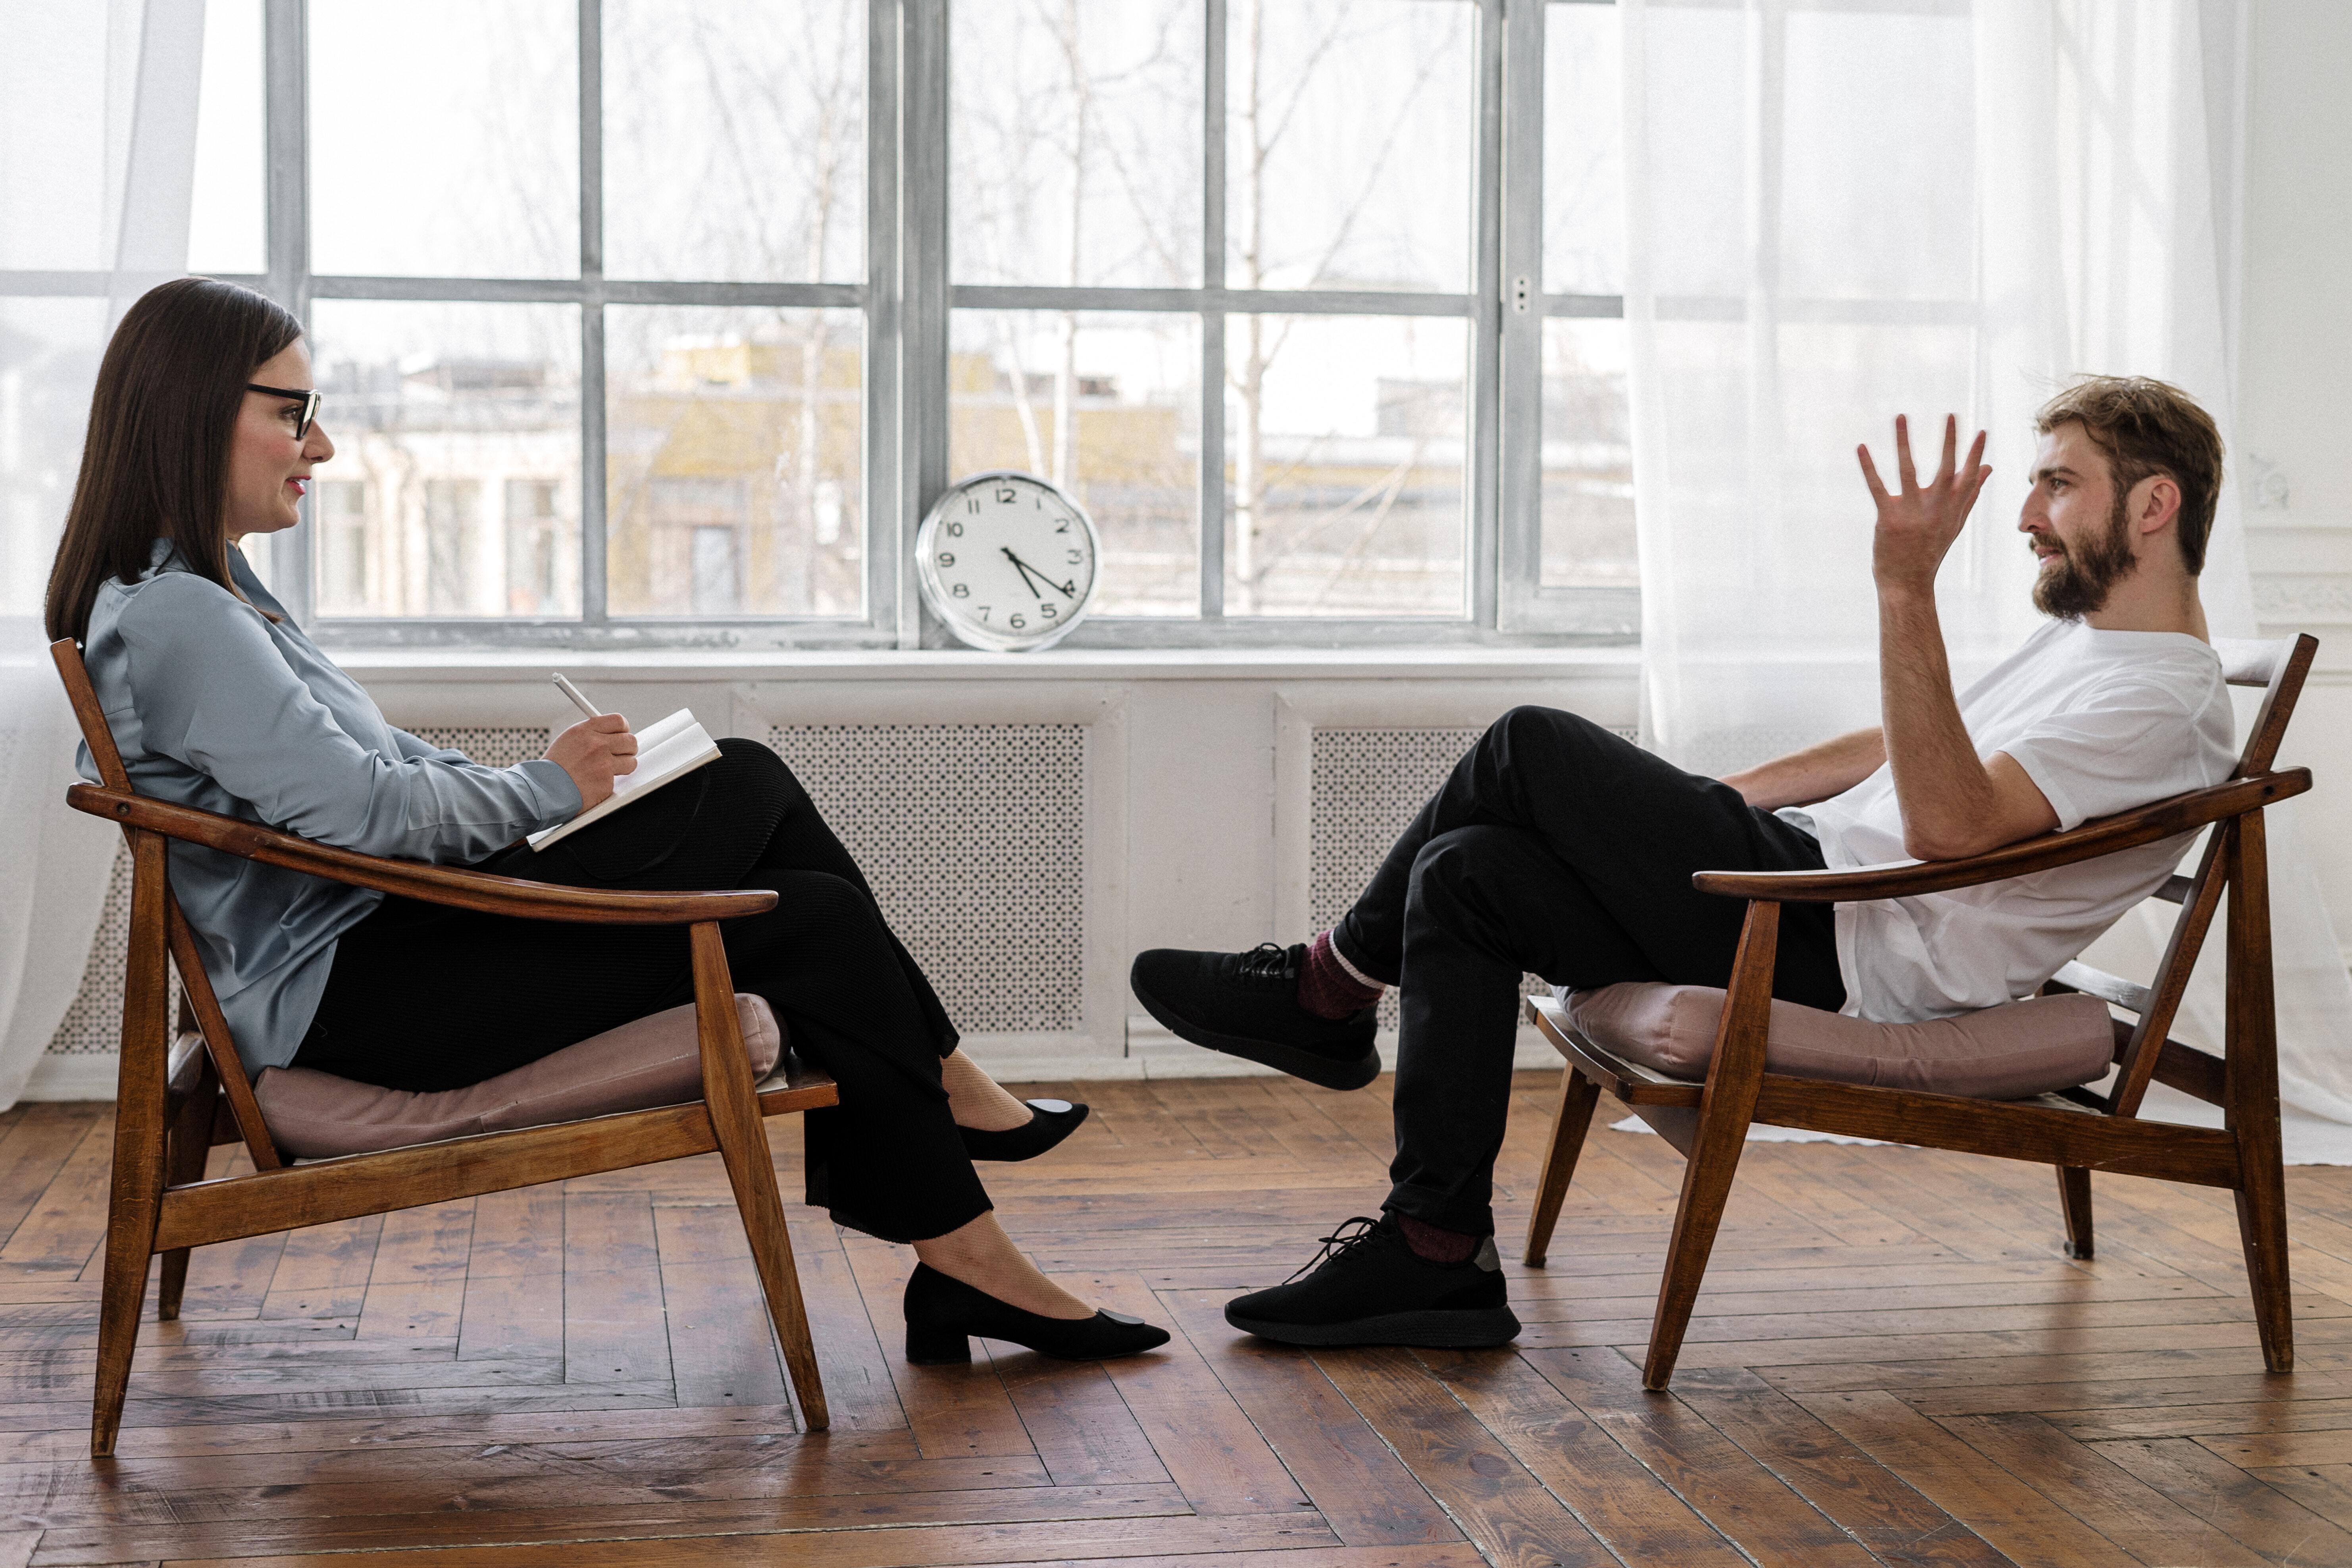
972, 836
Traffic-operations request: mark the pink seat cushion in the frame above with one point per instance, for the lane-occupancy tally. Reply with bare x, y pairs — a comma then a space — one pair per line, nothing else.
2010, 1052
653, 1061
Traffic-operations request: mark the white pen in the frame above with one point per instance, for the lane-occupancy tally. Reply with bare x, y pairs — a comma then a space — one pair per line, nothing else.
577, 700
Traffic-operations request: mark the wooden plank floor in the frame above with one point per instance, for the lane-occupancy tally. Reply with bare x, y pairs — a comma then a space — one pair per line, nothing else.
1891, 1363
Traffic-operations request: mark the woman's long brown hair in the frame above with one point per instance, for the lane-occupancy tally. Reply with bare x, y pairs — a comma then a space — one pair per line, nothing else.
155, 462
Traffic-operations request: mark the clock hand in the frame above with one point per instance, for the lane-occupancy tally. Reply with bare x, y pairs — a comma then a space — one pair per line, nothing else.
1022, 567
1067, 590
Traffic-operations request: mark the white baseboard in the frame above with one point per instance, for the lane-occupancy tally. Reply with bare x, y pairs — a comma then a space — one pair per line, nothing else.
88, 1076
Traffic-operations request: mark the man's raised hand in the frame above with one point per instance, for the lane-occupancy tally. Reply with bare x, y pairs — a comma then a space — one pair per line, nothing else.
1917, 524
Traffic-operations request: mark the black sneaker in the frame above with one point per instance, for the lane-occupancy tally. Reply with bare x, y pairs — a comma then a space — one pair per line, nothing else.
1246, 1005
1370, 1287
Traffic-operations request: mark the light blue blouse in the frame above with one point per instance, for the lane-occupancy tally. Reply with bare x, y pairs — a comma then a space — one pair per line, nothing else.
212, 705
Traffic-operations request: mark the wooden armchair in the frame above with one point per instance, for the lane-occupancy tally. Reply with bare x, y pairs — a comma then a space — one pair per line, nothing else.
183, 1092
2078, 1131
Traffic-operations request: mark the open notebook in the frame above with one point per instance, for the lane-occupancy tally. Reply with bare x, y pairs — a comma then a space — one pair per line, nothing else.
668, 749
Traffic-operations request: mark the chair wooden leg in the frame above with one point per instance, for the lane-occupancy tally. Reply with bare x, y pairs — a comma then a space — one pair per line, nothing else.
2262, 1231
130, 1246
2074, 1198
744, 1145
191, 1144
1569, 1123
135, 1201
171, 1284
1706, 1184
1734, 1079
2250, 1091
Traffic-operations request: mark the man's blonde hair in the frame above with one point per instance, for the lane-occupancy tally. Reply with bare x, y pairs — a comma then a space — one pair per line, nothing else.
2148, 426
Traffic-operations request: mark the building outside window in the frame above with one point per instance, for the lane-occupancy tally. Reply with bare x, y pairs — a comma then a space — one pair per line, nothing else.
748, 422
535, 548
453, 530
340, 507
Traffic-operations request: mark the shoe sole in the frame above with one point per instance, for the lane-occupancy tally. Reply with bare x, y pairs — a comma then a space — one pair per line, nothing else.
1460, 1329
1328, 1071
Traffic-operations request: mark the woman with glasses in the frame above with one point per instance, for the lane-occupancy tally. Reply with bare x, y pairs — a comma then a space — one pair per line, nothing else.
204, 429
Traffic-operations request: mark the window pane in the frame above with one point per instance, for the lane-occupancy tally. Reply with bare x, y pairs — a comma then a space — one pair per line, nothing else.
225, 207
1348, 143
455, 486
1077, 140
735, 140
1587, 457
734, 461
444, 137
1344, 444
1106, 407
1584, 151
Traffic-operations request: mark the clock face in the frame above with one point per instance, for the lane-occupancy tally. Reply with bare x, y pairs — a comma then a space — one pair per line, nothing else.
1007, 561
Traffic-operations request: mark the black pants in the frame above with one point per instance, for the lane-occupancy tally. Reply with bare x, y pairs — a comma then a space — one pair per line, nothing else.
425, 997
1558, 848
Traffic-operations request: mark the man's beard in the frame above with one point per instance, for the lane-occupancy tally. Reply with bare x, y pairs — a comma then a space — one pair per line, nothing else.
2078, 583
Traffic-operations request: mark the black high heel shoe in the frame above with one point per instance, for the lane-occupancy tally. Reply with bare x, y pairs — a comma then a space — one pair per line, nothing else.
942, 1312
1050, 1121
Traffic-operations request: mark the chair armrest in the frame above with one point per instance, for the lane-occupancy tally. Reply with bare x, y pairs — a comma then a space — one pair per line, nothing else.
413, 878
2124, 831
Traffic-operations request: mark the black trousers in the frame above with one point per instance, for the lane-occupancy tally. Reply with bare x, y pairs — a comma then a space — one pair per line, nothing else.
1558, 848
424, 997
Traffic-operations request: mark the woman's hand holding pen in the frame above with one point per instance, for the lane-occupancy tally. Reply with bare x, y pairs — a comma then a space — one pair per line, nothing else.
594, 749
592, 752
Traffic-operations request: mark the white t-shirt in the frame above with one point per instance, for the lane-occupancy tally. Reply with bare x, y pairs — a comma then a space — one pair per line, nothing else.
2101, 721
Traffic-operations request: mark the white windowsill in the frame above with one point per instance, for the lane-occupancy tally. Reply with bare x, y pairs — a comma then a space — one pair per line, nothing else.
1059, 664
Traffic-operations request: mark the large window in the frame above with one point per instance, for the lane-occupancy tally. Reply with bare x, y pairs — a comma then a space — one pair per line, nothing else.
660, 323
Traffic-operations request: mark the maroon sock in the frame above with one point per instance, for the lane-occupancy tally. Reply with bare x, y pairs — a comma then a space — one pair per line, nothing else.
1326, 988
1435, 1244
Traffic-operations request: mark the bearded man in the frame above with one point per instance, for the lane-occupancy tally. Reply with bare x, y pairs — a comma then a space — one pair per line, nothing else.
1559, 848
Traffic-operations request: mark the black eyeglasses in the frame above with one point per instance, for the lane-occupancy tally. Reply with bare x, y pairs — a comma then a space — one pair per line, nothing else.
309, 400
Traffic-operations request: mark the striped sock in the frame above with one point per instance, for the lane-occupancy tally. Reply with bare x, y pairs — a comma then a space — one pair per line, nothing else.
1436, 1244
1327, 988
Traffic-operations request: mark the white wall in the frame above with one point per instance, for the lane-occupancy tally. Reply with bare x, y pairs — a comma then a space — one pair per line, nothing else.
2294, 408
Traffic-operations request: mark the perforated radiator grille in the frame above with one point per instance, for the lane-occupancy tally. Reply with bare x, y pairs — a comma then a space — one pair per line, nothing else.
1365, 784
493, 746
973, 838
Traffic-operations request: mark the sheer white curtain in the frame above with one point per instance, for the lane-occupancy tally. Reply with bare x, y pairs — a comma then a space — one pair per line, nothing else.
98, 116
1839, 214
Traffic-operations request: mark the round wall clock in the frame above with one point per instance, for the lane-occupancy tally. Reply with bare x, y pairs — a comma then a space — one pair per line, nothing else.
1008, 562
